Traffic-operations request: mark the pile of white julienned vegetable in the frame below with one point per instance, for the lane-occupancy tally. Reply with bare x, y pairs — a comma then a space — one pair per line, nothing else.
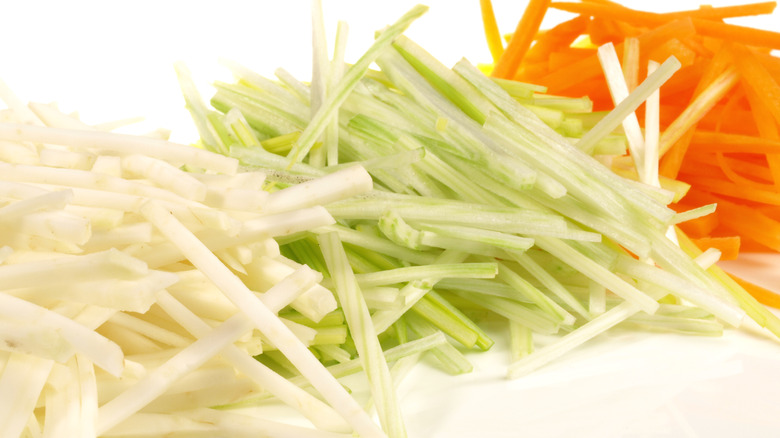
359, 223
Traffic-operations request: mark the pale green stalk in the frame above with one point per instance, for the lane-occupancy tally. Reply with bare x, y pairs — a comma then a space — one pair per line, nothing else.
351, 78
439, 270
364, 334
450, 358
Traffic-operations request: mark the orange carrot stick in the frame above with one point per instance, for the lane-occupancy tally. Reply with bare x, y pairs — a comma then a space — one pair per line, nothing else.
728, 168
558, 38
521, 40
719, 13
728, 246
761, 228
613, 11
708, 141
578, 73
630, 62
706, 27
756, 78
761, 294
737, 191
700, 227
689, 117
738, 34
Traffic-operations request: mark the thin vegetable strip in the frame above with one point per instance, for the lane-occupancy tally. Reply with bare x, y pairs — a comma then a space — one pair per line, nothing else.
719, 115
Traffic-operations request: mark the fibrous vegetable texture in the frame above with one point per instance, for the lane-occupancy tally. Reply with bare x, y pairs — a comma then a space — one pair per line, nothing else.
720, 114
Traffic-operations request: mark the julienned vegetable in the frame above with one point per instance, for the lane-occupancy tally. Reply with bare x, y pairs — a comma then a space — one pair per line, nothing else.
473, 170
150, 288
721, 112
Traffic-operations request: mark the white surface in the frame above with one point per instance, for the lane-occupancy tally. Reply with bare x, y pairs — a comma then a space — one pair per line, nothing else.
113, 60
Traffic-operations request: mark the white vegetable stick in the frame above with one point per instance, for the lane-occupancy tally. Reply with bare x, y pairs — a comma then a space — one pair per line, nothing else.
5, 252
308, 365
341, 184
119, 236
90, 197
132, 343
618, 88
159, 379
55, 118
91, 316
597, 298
16, 190
87, 396
230, 261
47, 200
264, 272
158, 133
217, 393
286, 290
205, 217
21, 383
33, 429
165, 175
652, 131
653, 140
97, 348
28, 242
319, 413
108, 165
104, 264
113, 125
203, 298
247, 180
236, 199
13, 152
151, 331
708, 258
41, 341
242, 253
244, 426
151, 425
203, 378
62, 403
264, 247
66, 159
99, 218
282, 224
55, 225
72, 178
188, 211
124, 144
259, 229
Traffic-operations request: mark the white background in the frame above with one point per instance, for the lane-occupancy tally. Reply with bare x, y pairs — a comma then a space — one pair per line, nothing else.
112, 60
